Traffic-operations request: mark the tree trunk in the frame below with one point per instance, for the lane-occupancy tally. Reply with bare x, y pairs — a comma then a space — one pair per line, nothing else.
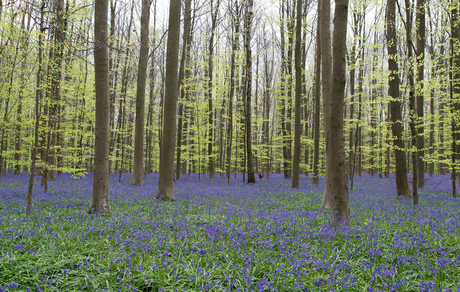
298, 96
186, 36
166, 180
402, 187
352, 60
413, 130
209, 72
326, 64
455, 89
38, 95
340, 204
138, 177
235, 47
284, 64
25, 46
316, 165
101, 202
420, 21
249, 16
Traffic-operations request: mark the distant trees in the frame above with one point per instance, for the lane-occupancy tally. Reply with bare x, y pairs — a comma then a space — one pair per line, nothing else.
236, 107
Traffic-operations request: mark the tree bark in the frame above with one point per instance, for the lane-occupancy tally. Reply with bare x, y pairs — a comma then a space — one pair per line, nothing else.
455, 90
326, 65
249, 16
235, 47
209, 72
186, 37
420, 21
340, 204
316, 165
402, 187
298, 96
101, 202
138, 177
166, 179
38, 95
25, 46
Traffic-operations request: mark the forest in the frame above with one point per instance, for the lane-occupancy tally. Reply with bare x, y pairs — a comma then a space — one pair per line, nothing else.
229, 145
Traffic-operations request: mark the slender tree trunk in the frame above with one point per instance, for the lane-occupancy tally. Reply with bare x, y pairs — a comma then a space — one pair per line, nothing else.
298, 96
235, 38
290, 26
185, 51
166, 180
402, 187
284, 73
138, 177
316, 165
38, 95
25, 46
150, 132
102, 132
455, 89
413, 130
326, 66
209, 89
352, 61
420, 21
249, 16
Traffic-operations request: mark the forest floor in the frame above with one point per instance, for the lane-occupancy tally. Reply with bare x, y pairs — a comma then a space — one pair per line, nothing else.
227, 237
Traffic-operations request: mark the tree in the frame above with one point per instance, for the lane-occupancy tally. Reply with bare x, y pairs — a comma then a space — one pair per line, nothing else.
184, 62
249, 16
298, 95
166, 180
326, 66
315, 180
138, 177
337, 153
38, 95
101, 202
455, 89
235, 47
209, 72
420, 21
402, 187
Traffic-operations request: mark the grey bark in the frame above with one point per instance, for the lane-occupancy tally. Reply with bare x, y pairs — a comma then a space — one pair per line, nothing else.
166, 179
298, 96
100, 203
138, 177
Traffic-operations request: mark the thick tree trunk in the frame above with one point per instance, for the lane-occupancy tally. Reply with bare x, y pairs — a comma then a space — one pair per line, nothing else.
138, 177
101, 202
166, 180
402, 187
340, 204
